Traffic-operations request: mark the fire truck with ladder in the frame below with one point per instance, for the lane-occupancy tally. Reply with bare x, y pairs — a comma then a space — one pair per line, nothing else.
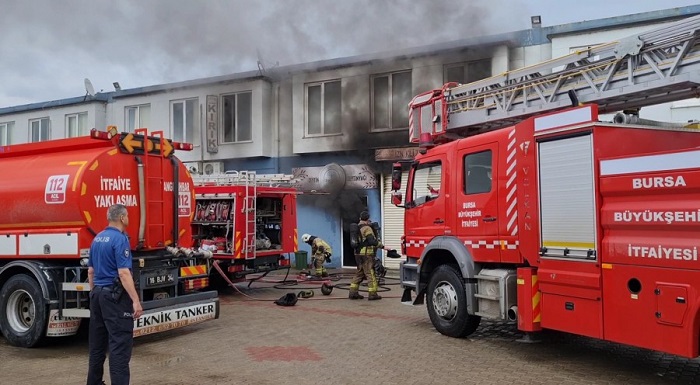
247, 220
55, 195
523, 206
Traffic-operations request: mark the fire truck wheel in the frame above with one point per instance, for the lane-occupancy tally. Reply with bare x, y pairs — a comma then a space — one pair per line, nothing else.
447, 303
24, 312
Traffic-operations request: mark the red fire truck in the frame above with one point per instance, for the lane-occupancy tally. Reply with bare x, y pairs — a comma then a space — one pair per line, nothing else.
550, 218
55, 196
249, 221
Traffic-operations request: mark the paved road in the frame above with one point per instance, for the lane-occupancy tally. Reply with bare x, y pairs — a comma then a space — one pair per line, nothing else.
332, 340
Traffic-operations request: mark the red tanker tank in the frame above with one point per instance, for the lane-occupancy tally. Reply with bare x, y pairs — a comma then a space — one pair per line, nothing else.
55, 196
67, 186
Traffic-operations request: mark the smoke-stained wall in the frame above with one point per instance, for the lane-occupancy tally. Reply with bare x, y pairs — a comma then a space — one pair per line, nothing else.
324, 216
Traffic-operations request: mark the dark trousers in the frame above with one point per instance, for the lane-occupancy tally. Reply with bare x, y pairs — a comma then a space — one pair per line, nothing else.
111, 329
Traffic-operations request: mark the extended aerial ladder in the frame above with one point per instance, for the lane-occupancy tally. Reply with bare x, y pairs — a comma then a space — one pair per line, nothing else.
653, 67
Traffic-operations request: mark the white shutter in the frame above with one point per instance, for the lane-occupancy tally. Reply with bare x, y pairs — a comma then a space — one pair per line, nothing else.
567, 196
392, 220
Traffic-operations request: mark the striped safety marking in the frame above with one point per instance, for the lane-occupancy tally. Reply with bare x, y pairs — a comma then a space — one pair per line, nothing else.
414, 243
296, 240
492, 245
197, 283
536, 310
511, 186
189, 271
411, 131
238, 242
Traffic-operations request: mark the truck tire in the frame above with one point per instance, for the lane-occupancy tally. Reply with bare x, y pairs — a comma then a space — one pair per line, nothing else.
23, 316
447, 303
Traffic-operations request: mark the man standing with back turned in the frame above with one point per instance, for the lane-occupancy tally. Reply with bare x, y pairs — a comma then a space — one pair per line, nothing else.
369, 244
114, 303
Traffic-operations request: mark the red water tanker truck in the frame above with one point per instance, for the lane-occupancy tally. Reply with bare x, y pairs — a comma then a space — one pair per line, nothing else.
55, 196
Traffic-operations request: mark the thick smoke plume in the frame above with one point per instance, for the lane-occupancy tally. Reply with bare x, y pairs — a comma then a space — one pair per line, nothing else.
50, 46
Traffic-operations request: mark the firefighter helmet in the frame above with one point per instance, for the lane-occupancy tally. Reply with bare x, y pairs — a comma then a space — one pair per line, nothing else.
364, 215
305, 238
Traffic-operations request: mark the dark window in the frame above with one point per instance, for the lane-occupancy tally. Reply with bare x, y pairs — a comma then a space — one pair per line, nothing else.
237, 117
468, 72
477, 173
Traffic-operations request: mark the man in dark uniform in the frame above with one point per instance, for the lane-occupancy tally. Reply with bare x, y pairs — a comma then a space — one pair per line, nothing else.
370, 243
114, 302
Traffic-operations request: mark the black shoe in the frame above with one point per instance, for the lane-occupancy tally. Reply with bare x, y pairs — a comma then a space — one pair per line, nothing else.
355, 296
374, 297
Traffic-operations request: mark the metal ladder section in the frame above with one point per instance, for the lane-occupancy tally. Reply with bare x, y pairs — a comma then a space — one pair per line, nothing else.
238, 178
249, 212
74, 294
649, 68
154, 174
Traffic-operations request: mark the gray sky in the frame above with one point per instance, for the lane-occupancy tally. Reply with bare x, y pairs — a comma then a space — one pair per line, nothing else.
48, 47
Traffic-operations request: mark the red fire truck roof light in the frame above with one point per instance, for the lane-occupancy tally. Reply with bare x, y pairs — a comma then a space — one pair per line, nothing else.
425, 142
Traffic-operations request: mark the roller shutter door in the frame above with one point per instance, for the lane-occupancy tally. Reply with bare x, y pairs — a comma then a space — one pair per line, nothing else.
567, 200
392, 220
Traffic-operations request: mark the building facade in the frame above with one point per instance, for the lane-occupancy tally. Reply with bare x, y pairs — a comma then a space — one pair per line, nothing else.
337, 125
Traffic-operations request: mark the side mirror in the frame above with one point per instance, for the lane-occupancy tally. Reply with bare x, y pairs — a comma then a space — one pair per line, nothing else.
396, 176
396, 198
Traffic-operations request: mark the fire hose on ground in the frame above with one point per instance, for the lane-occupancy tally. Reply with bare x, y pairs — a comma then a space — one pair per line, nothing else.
305, 292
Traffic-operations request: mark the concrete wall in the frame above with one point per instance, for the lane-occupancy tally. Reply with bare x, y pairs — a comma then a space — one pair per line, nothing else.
262, 130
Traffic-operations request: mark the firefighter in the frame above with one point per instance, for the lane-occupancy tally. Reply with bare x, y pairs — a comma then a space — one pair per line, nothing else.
320, 253
369, 243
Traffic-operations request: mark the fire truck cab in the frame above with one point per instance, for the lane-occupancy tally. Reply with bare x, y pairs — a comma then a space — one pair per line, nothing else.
580, 228
523, 206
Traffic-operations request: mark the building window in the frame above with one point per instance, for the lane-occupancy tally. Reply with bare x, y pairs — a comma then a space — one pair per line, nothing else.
39, 130
137, 117
6, 133
76, 125
468, 72
238, 117
183, 115
477, 168
391, 94
323, 106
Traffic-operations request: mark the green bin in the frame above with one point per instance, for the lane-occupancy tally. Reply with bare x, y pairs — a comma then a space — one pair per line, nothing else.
301, 260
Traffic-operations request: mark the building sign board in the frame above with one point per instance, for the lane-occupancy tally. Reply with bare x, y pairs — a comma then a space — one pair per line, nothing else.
212, 131
333, 177
395, 154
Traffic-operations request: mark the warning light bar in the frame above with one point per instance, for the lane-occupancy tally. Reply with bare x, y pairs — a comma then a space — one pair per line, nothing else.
140, 141
100, 134
183, 146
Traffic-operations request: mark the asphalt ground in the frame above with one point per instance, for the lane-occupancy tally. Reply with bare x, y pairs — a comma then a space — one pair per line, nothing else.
333, 340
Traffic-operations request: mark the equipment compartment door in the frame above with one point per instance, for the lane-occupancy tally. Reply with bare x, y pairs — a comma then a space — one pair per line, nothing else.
569, 275
567, 197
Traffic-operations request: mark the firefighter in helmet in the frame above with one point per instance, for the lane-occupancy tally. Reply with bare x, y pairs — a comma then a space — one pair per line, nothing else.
320, 252
369, 243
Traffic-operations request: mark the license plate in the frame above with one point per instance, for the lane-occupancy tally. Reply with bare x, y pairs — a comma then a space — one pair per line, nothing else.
160, 279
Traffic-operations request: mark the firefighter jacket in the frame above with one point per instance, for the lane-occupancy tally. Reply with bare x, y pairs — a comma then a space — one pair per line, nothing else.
366, 236
320, 247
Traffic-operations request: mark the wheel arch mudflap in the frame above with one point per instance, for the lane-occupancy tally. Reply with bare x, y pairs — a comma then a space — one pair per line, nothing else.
46, 275
438, 248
